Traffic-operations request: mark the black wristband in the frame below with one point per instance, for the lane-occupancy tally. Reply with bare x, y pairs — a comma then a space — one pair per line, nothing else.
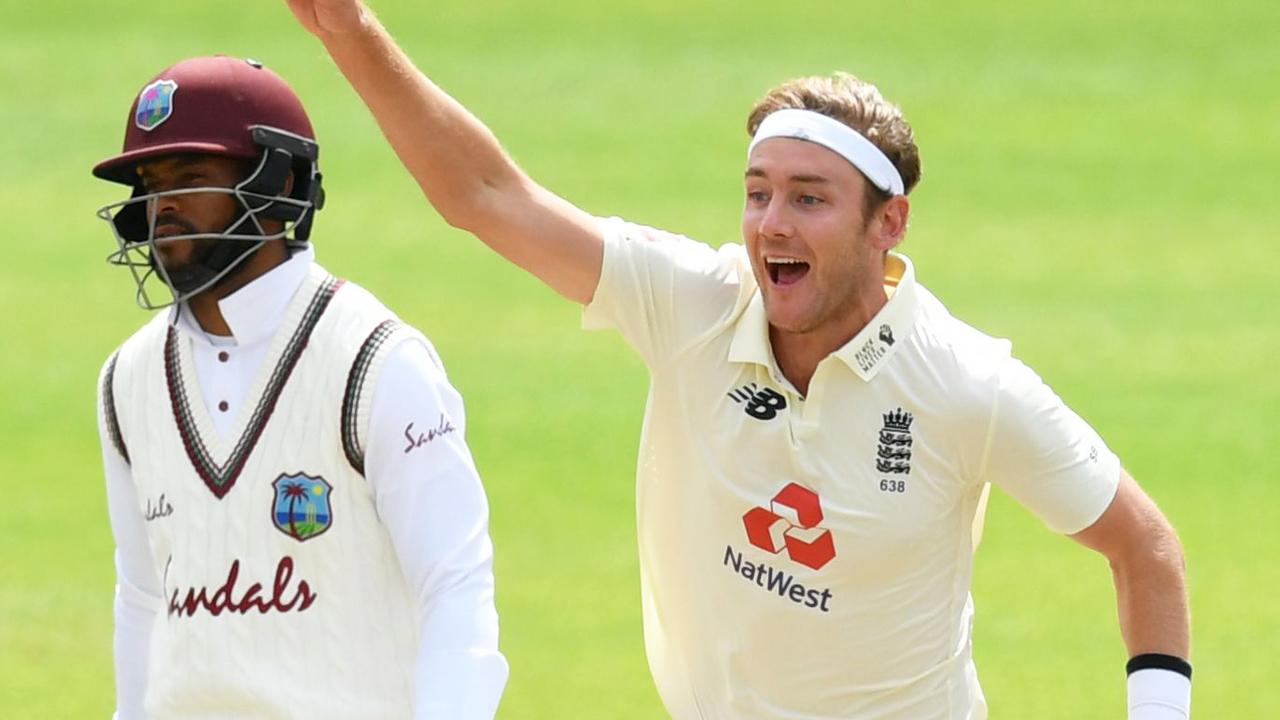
1158, 661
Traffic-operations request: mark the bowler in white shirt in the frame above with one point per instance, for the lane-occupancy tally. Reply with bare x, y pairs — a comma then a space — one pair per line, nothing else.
820, 431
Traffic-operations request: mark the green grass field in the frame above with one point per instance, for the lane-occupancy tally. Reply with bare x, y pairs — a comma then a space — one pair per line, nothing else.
1099, 182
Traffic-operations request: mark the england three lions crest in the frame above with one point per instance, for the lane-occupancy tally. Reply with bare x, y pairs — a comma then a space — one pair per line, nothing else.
893, 453
301, 506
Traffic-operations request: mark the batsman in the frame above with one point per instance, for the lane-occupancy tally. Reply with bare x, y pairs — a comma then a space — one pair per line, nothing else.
820, 430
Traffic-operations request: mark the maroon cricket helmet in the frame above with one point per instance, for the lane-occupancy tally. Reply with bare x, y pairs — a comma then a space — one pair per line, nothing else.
206, 105
215, 106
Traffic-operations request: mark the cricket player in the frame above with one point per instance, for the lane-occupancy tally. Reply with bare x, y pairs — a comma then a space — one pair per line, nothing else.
819, 430
300, 529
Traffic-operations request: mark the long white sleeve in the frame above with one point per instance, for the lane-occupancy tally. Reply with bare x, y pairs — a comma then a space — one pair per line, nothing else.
137, 594
433, 505
429, 499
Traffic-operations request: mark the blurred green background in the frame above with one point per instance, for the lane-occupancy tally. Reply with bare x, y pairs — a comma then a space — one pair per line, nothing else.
1099, 182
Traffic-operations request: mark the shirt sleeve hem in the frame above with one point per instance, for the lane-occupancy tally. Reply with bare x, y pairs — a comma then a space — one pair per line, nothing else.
1105, 500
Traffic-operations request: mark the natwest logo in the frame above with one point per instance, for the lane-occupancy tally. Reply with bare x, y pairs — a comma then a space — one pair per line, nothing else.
791, 522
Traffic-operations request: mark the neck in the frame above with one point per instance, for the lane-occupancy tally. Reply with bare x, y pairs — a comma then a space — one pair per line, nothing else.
204, 307
799, 353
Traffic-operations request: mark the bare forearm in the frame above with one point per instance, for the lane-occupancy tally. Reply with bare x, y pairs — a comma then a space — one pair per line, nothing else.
1151, 595
455, 159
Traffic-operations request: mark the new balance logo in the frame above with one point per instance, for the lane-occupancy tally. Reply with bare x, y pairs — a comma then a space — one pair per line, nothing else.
762, 403
791, 523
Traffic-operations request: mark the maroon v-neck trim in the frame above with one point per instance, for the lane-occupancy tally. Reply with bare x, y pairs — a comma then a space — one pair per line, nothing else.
221, 478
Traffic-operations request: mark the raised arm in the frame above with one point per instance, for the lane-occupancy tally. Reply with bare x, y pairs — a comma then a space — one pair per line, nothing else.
457, 161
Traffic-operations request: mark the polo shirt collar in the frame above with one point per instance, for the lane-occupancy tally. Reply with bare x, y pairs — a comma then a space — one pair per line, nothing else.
751, 334
872, 347
254, 311
867, 352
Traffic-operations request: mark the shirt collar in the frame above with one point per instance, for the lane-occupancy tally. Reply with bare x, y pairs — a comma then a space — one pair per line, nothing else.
254, 311
867, 352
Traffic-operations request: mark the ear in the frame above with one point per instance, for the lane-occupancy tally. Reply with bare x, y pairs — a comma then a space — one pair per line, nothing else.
288, 185
889, 223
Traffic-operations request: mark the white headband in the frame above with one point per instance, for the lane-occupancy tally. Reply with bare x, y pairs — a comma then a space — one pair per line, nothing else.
836, 136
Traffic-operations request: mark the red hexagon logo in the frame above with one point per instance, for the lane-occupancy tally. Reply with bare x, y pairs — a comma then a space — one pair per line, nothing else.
791, 522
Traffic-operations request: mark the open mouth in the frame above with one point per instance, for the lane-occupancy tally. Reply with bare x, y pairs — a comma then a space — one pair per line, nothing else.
784, 271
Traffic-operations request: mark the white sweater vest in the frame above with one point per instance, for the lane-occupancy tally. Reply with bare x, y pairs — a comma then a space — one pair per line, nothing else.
283, 597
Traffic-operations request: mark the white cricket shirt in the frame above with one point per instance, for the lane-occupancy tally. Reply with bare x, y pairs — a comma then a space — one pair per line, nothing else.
426, 498
810, 557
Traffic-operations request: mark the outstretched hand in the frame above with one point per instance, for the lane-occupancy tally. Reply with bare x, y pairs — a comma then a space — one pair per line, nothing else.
328, 17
